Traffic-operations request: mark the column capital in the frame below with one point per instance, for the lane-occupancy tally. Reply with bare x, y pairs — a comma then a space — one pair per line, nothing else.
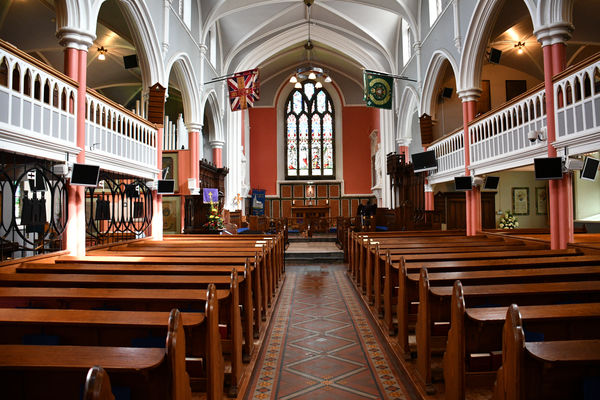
75, 38
558, 32
403, 141
472, 94
216, 144
193, 126
203, 49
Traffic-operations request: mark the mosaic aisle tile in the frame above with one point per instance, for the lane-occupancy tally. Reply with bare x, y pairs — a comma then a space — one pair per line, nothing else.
321, 345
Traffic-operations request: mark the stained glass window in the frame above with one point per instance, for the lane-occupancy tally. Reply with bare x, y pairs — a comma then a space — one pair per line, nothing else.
309, 126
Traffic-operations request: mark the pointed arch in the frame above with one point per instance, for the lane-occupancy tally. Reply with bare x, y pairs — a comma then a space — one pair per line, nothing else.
181, 65
215, 122
476, 39
409, 103
432, 77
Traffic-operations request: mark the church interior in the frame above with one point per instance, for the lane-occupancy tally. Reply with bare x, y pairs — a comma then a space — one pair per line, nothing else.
218, 199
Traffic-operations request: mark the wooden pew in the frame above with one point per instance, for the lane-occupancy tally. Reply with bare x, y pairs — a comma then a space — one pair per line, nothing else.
251, 290
456, 262
543, 370
434, 306
37, 371
97, 385
260, 289
375, 271
147, 299
479, 330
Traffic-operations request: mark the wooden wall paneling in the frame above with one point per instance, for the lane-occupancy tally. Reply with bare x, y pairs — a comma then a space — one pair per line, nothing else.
286, 191
334, 208
353, 207
321, 190
286, 208
298, 191
276, 208
345, 208
268, 208
334, 190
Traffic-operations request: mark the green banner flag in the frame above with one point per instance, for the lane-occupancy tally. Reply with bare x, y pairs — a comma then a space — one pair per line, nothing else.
378, 90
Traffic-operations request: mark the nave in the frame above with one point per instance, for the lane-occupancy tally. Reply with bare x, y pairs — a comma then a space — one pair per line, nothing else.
323, 345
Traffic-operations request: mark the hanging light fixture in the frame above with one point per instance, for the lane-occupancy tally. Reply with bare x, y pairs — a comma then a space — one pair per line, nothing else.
519, 46
102, 53
309, 71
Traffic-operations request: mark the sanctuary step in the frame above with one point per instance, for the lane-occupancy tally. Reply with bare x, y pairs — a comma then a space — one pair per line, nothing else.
319, 248
316, 238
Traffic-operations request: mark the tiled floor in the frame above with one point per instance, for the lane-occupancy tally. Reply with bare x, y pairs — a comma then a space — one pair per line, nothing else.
321, 345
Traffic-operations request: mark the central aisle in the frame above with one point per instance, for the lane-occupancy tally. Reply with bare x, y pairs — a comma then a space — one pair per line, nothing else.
321, 344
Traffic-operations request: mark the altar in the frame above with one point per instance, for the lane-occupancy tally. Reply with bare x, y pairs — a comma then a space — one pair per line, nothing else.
310, 218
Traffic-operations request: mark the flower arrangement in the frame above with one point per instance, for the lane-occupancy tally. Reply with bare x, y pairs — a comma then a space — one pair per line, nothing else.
508, 221
215, 222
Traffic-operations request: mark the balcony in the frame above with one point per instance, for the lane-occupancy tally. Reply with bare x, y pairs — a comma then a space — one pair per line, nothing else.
38, 117
499, 139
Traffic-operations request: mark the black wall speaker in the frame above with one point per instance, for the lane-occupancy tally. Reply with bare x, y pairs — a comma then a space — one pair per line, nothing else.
130, 61
447, 93
495, 55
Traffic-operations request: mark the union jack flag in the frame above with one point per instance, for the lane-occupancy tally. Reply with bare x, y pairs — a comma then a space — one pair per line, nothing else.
243, 89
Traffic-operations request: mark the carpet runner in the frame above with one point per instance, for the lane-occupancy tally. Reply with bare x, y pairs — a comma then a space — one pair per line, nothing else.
321, 344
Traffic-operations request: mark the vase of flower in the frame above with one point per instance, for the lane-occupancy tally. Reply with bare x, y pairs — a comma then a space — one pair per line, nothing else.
215, 222
508, 221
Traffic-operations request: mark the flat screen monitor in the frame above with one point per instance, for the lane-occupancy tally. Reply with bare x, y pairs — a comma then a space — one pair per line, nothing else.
462, 183
85, 175
548, 168
424, 161
491, 182
590, 169
166, 186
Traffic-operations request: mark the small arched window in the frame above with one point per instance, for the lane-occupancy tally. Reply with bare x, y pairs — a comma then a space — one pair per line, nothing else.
309, 127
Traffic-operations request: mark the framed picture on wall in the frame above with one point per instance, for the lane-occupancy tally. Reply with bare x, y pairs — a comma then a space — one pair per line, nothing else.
541, 201
169, 160
171, 214
520, 200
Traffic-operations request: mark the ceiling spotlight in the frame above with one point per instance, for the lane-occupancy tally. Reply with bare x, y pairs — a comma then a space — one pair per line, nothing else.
102, 53
293, 79
519, 46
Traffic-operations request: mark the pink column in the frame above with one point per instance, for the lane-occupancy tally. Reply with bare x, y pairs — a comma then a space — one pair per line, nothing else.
471, 198
156, 227
76, 68
553, 189
193, 141
404, 151
218, 156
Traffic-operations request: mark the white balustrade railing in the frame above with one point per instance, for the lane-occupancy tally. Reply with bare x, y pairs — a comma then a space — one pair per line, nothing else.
506, 131
115, 132
450, 153
36, 101
577, 101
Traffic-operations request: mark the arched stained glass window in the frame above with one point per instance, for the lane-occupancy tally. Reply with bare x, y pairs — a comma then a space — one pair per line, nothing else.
309, 126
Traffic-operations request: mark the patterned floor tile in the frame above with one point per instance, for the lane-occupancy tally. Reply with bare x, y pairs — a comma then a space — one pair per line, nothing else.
321, 345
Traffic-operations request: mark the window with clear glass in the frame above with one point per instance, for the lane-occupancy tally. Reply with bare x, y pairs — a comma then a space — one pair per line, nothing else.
406, 42
435, 9
309, 122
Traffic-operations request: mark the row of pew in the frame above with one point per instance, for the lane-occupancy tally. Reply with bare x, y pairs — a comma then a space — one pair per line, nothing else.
163, 318
440, 294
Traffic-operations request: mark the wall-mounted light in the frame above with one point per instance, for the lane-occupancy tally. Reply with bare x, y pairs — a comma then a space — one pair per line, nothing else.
102, 53
519, 46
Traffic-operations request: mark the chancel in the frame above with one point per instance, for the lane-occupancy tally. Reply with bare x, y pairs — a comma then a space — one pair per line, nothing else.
297, 199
